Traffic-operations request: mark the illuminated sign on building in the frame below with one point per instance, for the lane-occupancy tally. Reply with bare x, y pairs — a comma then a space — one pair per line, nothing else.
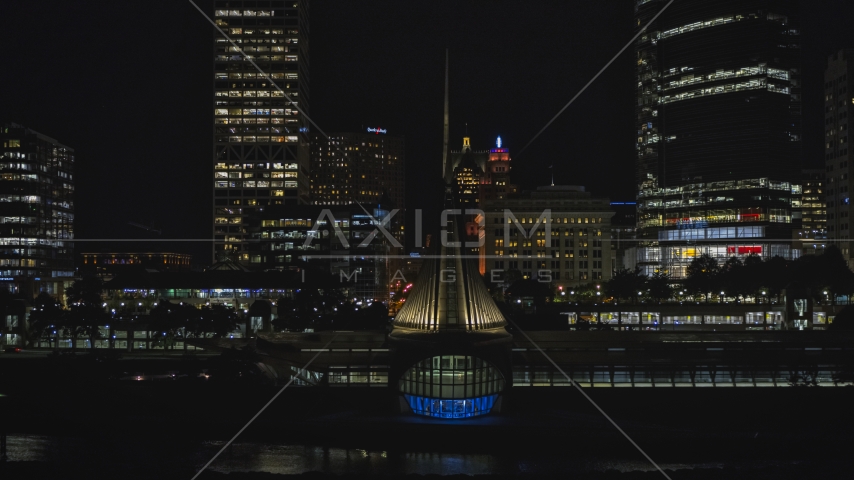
377, 130
498, 142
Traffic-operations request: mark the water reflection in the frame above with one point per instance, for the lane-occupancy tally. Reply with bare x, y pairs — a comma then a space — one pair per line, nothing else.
297, 459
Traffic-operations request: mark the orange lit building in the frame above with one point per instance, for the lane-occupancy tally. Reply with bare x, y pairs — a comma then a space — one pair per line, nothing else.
108, 264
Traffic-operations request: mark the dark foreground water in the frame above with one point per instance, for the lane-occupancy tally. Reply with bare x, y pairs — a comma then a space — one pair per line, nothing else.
64, 424
79, 457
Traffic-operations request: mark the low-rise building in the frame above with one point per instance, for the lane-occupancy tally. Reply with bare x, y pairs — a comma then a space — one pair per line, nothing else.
344, 240
109, 264
559, 234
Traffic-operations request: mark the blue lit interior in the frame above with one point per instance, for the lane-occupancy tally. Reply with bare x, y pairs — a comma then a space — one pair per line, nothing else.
451, 408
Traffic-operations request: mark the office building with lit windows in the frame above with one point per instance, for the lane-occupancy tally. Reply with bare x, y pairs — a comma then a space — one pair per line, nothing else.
575, 249
36, 211
718, 131
478, 177
358, 168
112, 263
364, 172
467, 166
813, 213
261, 152
838, 108
495, 181
334, 240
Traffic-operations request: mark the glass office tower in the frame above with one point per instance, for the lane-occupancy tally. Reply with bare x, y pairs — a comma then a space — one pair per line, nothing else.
718, 131
36, 211
261, 140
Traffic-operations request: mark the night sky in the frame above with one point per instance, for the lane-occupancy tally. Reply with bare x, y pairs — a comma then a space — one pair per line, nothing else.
128, 85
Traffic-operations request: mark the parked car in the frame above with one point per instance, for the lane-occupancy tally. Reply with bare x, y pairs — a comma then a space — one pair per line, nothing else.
13, 349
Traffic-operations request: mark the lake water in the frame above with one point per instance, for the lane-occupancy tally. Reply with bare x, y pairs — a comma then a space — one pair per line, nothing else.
298, 459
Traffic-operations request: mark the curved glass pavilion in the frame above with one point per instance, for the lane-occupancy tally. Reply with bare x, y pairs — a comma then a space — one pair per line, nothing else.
451, 386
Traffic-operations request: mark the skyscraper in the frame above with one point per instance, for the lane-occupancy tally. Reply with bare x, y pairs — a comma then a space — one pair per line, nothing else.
838, 107
358, 168
718, 131
365, 171
261, 152
36, 211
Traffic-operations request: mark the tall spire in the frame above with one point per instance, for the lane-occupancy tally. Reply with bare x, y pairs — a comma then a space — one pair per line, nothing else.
445, 146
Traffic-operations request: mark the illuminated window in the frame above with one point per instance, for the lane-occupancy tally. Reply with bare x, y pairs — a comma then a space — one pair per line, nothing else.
451, 386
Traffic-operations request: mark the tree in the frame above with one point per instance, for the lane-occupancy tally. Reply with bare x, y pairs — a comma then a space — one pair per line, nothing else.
839, 279
86, 314
702, 275
373, 317
86, 291
625, 284
732, 278
775, 274
218, 320
168, 321
659, 287
512, 276
808, 271
752, 273
46, 315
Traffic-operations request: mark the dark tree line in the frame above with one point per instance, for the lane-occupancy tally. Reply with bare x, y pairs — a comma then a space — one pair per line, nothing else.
83, 317
739, 279
633, 285
328, 309
169, 321
751, 277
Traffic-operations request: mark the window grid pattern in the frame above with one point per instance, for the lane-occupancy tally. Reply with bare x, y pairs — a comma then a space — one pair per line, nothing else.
452, 377
699, 376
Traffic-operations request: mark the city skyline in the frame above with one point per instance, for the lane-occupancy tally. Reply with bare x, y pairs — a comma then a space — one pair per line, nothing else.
151, 166
644, 194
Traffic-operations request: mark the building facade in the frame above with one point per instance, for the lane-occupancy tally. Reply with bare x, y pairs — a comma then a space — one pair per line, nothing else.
495, 182
718, 131
838, 107
813, 213
37, 208
479, 176
624, 233
362, 174
577, 250
358, 168
111, 263
261, 152
338, 240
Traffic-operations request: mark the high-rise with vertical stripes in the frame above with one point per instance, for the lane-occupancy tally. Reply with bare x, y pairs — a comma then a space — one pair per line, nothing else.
261, 144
